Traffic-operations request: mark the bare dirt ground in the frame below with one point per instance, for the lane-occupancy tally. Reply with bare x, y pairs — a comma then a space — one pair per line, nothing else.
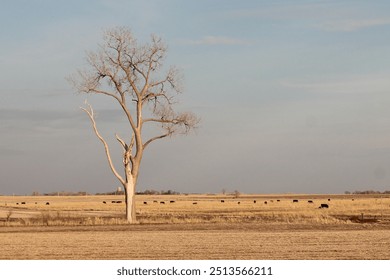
196, 227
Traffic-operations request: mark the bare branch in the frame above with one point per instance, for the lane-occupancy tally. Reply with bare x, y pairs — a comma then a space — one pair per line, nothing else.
90, 113
155, 138
124, 145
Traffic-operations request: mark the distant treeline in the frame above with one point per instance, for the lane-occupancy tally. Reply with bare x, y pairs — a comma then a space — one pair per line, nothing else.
154, 192
368, 192
146, 192
62, 193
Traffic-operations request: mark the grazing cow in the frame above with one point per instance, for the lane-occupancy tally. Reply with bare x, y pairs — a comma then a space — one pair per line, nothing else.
222, 201
353, 199
23, 202
17, 203
328, 199
278, 200
310, 201
36, 202
194, 202
104, 202
254, 201
47, 203
295, 200
271, 200
145, 202
172, 201
265, 202
323, 205
162, 202
238, 202
155, 201
119, 201
113, 201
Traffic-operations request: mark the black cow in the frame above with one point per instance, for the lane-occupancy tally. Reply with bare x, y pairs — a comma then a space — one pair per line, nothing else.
324, 205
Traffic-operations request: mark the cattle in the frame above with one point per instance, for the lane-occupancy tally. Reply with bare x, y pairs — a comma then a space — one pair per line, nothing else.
323, 205
113, 201
162, 202
155, 201
238, 202
310, 201
353, 199
278, 200
119, 201
222, 201
328, 199
23, 202
254, 201
47, 203
271, 200
295, 200
194, 203
265, 202
172, 201
104, 202
17, 203
36, 202
145, 202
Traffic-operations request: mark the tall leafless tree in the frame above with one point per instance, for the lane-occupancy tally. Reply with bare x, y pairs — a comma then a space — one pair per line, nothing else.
132, 74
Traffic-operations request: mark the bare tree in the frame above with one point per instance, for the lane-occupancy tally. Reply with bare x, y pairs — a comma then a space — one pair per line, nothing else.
133, 76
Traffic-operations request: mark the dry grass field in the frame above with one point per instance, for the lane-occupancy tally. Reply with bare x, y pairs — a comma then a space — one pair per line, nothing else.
196, 227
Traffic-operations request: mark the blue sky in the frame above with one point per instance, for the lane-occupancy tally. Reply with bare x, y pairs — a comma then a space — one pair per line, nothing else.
293, 95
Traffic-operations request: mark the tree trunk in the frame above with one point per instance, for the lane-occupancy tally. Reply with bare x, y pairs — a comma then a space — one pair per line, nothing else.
130, 202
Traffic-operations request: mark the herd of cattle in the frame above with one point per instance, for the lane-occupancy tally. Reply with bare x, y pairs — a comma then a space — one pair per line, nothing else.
322, 205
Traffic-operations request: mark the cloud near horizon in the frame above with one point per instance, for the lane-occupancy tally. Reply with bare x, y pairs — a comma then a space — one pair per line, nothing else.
353, 25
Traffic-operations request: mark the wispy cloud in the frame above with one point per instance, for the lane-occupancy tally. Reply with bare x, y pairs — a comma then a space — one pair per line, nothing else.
353, 25
215, 41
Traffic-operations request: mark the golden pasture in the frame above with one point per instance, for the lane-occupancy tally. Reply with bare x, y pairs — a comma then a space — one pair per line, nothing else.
196, 227
100, 210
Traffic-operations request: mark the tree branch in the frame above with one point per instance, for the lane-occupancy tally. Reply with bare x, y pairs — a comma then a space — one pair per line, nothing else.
156, 138
90, 113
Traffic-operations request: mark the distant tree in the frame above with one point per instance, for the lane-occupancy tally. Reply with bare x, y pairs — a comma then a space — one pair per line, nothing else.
131, 74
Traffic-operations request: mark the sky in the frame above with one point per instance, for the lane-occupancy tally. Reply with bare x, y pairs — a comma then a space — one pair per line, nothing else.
293, 96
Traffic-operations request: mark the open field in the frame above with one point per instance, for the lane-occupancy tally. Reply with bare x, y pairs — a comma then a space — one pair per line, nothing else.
196, 227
